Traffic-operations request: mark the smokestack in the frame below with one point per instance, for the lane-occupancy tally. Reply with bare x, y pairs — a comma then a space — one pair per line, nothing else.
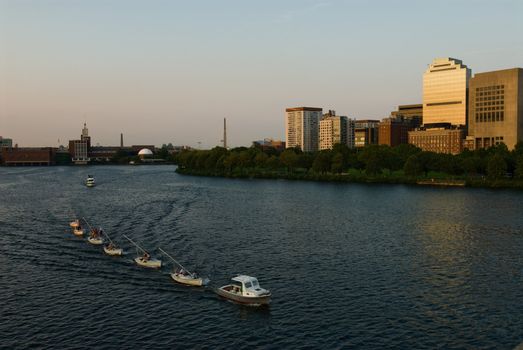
224, 132
121, 140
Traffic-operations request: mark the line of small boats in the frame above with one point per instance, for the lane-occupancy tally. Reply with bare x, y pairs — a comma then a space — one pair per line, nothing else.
243, 289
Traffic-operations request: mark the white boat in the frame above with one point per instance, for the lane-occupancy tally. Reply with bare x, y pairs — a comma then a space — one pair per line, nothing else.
111, 249
78, 231
245, 290
96, 240
148, 262
184, 276
75, 223
90, 181
145, 260
188, 279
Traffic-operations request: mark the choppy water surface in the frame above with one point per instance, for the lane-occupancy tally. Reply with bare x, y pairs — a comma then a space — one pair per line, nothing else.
350, 266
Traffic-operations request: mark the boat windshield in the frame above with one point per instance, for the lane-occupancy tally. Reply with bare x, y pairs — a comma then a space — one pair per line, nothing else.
255, 283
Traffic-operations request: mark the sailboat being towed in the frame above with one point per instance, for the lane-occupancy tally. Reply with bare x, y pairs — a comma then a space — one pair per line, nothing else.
145, 260
184, 276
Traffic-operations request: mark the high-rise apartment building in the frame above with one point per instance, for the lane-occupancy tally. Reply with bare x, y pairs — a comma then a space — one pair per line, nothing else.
445, 85
302, 127
496, 108
333, 130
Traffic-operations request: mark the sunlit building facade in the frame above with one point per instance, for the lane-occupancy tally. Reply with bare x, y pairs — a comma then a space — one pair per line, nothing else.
445, 85
439, 139
333, 130
496, 109
302, 128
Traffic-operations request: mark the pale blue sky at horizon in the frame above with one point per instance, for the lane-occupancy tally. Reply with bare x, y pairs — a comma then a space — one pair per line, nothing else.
170, 71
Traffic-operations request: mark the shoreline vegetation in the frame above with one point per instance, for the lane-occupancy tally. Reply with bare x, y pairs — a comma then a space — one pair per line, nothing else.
496, 167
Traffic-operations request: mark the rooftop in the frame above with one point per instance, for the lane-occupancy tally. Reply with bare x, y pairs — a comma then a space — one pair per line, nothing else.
244, 279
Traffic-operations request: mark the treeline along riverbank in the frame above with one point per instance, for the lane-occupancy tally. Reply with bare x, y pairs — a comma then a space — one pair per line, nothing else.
493, 167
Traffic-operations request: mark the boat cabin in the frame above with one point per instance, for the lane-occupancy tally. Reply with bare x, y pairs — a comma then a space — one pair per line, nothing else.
247, 286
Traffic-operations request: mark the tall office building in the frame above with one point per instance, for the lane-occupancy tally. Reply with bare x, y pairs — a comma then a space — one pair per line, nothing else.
445, 85
302, 128
496, 108
333, 130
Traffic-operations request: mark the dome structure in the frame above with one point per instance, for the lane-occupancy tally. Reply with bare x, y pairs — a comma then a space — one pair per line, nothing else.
145, 152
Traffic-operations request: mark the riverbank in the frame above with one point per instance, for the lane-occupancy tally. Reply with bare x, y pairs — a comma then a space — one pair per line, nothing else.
354, 176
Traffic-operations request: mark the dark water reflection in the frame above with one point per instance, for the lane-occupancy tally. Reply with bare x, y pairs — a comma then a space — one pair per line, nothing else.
350, 266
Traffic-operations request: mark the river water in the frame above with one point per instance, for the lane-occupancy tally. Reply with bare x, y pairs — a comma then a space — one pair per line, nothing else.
349, 265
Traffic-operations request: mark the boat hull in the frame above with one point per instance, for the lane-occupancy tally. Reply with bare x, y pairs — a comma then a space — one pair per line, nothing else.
77, 232
151, 263
240, 299
113, 252
189, 281
95, 241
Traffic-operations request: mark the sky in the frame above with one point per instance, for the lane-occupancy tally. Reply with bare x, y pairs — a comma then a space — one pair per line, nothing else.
167, 71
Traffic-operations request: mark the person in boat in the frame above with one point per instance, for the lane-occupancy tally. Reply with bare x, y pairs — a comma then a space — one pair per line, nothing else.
110, 246
146, 257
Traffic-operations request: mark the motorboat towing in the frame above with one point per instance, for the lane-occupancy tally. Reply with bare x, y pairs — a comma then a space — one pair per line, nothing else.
245, 290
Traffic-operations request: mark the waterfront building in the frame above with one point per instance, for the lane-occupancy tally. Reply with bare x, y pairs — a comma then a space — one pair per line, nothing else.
302, 127
28, 156
5, 142
333, 130
439, 138
366, 132
351, 142
496, 109
445, 91
445, 84
269, 143
79, 151
393, 131
413, 114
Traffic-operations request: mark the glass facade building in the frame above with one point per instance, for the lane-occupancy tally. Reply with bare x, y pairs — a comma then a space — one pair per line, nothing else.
445, 85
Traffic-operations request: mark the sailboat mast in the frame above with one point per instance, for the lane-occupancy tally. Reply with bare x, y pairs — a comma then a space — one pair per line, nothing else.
136, 244
163, 251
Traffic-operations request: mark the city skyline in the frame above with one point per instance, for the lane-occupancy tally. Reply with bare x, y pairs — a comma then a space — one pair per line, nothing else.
169, 72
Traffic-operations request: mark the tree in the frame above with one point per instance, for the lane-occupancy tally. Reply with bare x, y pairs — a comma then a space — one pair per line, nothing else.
496, 167
322, 162
289, 158
518, 173
260, 160
273, 162
413, 166
337, 163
